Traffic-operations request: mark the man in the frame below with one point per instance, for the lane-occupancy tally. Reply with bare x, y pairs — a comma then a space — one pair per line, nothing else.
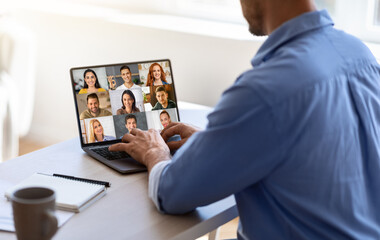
295, 139
130, 122
162, 99
93, 109
126, 75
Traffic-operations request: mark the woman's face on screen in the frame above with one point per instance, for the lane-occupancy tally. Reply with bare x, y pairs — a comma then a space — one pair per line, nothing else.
90, 79
98, 129
165, 120
127, 101
157, 72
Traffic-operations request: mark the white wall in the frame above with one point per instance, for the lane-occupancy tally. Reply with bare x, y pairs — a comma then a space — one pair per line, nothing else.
202, 66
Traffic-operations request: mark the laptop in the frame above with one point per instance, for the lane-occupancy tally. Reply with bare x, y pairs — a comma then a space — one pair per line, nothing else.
112, 99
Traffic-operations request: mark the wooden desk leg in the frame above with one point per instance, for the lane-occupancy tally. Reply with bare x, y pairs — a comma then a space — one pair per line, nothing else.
214, 235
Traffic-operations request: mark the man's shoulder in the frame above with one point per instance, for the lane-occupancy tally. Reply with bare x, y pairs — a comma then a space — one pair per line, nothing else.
171, 103
157, 106
85, 114
121, 87
135, 86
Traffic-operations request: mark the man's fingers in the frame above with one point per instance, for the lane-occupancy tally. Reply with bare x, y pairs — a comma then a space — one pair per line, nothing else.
118, 147
127, 138
170, 131
135, 131
174, 145
169, 126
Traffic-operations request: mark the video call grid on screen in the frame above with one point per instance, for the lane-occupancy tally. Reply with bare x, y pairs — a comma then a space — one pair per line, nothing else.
112, 99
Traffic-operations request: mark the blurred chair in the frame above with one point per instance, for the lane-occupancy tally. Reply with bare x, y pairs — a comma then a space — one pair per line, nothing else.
17, 84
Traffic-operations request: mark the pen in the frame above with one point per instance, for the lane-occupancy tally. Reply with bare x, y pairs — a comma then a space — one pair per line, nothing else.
106, 184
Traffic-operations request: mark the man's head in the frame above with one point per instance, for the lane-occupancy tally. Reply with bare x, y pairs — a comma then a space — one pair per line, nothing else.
93, 103
130, 122
264, 16
126, 74
254, 14
161, 95
165, 118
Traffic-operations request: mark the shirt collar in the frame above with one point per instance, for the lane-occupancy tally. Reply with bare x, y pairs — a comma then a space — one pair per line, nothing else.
293, 27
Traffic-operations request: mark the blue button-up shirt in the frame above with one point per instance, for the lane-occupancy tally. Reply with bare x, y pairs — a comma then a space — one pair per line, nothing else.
295, 139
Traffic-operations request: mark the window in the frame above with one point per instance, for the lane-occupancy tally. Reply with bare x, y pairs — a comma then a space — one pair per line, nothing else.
358, 17
219, 10
376, 19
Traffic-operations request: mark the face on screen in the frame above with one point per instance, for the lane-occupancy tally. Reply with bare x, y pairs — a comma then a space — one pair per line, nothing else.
165, 119
126, 75
162, 97
157, 72
131, 123
98, 129
90, 79
93, 105
127, 101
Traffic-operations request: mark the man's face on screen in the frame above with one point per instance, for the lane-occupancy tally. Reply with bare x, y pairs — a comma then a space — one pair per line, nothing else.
162, 97
126, 75
131, 123
93, 105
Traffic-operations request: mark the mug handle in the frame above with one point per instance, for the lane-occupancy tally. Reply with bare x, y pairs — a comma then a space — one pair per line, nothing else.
52, 224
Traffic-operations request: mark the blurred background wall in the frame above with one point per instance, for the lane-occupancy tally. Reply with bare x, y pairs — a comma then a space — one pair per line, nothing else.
203, 66
207, 41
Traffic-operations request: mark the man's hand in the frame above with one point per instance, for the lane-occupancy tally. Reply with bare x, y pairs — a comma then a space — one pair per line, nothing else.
184, 130
146, 147
111, 81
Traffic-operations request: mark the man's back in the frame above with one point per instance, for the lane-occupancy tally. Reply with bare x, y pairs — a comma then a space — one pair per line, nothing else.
323, 90
302, 153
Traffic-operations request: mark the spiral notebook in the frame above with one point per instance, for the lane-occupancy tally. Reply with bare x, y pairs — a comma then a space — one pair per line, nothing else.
71, 195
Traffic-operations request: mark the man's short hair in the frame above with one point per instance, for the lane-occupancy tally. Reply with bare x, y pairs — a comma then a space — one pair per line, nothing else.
125, 67
159, 89
129, 116
92, 95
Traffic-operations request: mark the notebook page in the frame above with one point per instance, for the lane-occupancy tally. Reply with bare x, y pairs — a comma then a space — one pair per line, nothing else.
69, 193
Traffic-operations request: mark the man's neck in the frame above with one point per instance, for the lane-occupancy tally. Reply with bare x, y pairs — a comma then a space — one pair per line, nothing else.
278, 12
165, 105
128, 84
95, 114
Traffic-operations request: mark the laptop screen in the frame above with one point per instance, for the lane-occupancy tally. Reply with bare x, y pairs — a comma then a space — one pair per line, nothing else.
112, 99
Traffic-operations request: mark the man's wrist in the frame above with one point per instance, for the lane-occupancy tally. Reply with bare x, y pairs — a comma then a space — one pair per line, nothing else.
154, 156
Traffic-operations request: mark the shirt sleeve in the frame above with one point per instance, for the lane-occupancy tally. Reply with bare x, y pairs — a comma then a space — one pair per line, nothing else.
238, 148
154, 181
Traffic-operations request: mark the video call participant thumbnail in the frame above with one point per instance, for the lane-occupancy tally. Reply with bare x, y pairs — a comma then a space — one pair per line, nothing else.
96, 133
130, 122
156, 76
93, 109
129, 103
126, 75
91, 83
162, 99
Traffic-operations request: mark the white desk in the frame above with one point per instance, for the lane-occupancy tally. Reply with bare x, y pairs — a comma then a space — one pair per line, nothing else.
125, 212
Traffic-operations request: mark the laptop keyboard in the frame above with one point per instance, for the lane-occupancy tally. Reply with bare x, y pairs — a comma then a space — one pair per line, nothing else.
104, 152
